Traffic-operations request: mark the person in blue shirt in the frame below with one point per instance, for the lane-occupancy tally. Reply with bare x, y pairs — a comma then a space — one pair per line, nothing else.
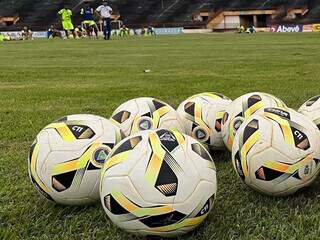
88, 21
53, 32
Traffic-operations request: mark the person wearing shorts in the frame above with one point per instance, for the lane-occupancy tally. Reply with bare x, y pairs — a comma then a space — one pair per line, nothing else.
88, 22
65, 15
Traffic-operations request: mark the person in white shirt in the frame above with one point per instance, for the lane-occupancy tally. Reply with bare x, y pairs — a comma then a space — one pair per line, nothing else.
104, 12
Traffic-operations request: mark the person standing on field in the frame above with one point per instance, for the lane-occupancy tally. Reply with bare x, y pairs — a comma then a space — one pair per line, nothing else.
65, 15
104, 12
88, 22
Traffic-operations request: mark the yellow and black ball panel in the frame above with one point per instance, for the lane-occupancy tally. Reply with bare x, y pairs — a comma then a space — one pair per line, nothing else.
157, 218
127, 145
70, 131
155, 105
253, 103
281, 171
162, 143
218, 123
168, 140
248, 137
292, 132
189, 108
201, 151
63, 181
121, 152
71, 172
121, 116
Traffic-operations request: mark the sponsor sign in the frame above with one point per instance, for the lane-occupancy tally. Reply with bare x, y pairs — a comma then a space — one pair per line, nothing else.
168, 31
287, 28
17, 34
307, 28
42, 34
316, 27
197, 30
12, 35
164, 31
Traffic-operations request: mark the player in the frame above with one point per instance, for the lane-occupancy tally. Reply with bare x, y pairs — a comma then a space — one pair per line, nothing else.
2, 37
124, 31
88, 21
80, 32
251, 29
104, 12
26, 34
240, 29
151, 31
65, 15
53, 32
143, 31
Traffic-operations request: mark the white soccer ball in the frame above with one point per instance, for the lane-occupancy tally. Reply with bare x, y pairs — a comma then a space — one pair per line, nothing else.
276, 151
311, 109
242, 108
66, 158
158, 182
201, 115
145, 114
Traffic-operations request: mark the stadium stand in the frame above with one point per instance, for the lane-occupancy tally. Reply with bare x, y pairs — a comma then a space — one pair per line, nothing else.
42, 13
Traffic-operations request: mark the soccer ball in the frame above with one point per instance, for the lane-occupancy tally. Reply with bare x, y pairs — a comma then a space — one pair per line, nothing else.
311, 109
241, 109
66, 158
202, 115
276, 151
158, 183
145, 114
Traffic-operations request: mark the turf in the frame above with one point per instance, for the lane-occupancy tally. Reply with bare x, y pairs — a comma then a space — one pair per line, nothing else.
44, 80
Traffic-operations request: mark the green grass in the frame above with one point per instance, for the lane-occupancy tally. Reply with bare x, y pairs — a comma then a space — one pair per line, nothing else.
43, 80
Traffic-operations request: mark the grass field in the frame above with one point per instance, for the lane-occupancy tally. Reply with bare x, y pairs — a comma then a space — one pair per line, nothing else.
43, 80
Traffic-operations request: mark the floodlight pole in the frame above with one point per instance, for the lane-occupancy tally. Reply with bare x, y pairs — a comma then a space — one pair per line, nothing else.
162, 4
